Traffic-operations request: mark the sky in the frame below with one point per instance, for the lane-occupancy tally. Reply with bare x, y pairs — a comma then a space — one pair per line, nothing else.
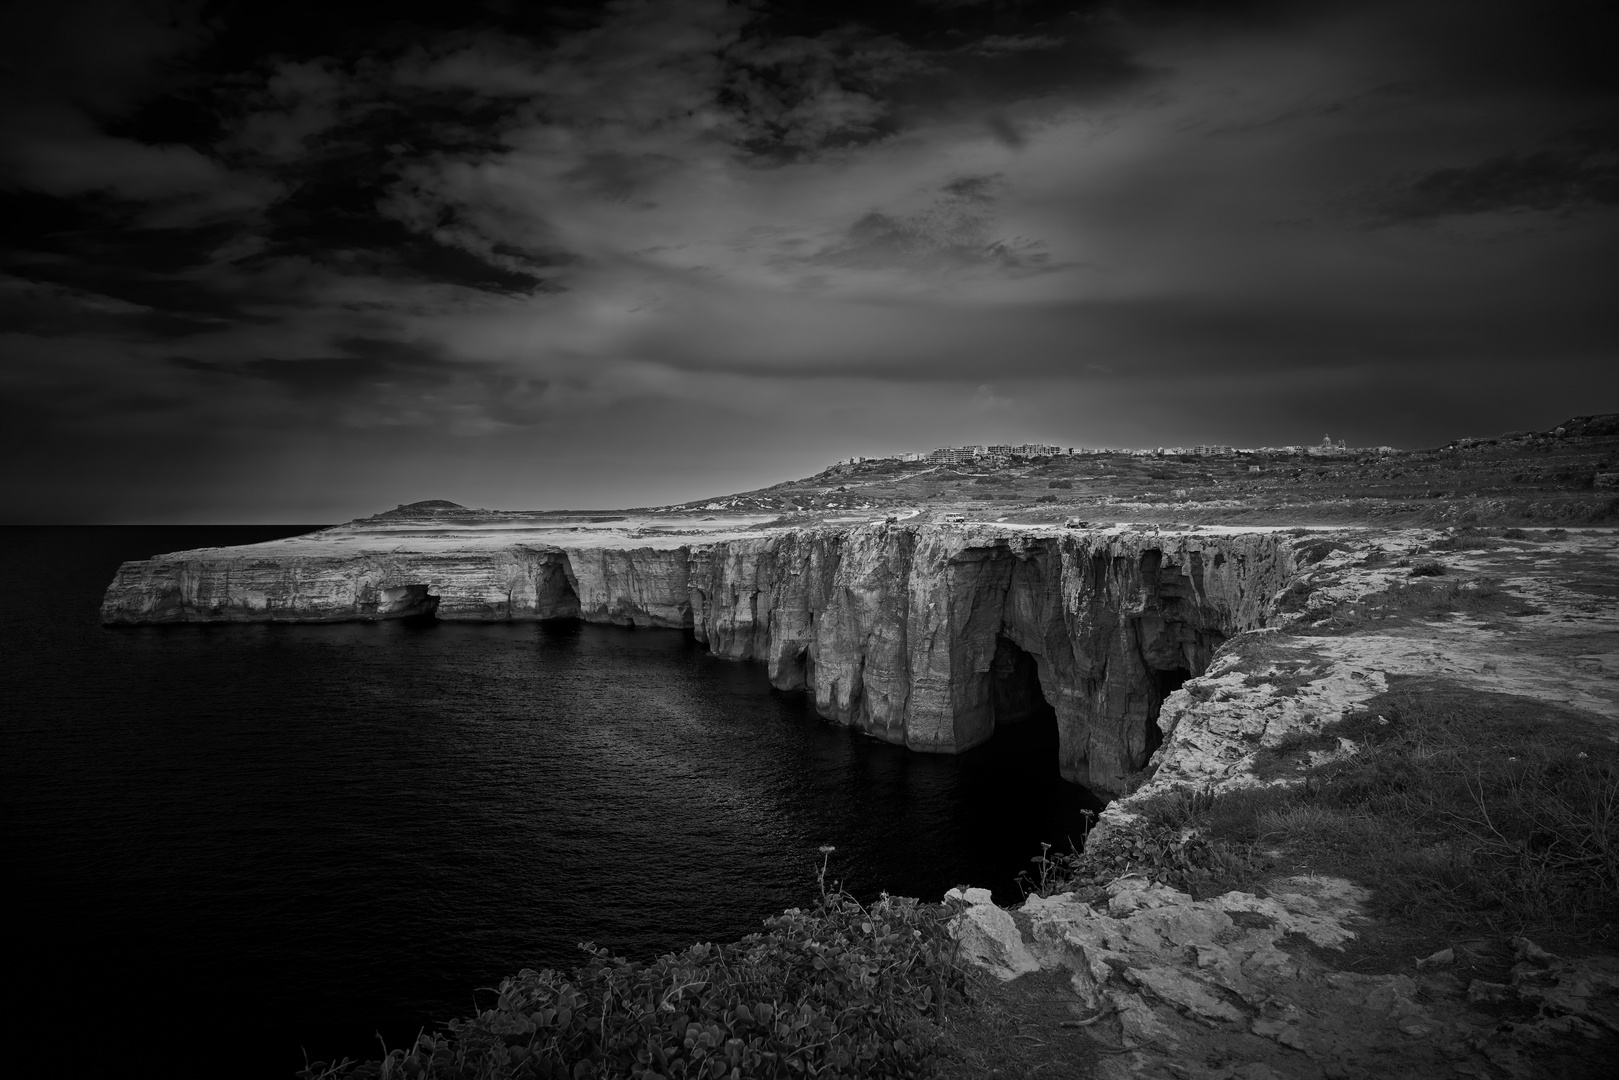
304, 261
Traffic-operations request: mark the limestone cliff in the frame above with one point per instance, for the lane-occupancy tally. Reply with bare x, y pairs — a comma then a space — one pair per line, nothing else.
926, 636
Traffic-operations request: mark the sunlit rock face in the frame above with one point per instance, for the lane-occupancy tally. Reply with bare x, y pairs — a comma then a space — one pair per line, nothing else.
260, 584
927, 636
922, 635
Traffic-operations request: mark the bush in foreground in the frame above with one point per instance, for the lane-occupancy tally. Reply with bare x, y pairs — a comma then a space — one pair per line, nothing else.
843, 990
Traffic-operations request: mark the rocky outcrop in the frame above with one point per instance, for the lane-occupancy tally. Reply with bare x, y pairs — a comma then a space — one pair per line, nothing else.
1243, 986
1249, 984
260, 584
928, 636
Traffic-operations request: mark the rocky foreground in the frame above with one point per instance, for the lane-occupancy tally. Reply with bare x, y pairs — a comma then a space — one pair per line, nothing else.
1292, 976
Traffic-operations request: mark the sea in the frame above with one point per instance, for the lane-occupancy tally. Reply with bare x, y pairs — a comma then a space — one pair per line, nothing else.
239, 849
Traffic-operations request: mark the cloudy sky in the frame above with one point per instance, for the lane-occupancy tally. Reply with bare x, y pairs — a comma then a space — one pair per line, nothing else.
297, 262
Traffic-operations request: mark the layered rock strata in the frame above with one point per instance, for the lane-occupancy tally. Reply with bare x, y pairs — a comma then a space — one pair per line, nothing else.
922, 635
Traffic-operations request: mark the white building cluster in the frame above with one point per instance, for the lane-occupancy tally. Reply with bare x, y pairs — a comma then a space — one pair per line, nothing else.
954, 455
976, 453
1004, 453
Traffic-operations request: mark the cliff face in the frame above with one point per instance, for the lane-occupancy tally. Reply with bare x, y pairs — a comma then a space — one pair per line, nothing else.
222, 585
925, 636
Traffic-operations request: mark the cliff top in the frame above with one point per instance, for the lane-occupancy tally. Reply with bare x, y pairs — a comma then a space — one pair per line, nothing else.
394, 534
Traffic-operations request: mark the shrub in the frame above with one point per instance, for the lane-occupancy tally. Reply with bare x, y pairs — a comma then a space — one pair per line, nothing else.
1066, 485
844, 990
1296, 598
1428, 568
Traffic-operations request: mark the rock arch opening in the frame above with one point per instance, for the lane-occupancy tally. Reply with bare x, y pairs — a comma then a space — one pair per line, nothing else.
1164, 683
556, 592
1023, 724
1015, 696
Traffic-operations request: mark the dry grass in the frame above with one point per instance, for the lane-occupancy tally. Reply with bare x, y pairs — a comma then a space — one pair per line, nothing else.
1411, 602
1461, 809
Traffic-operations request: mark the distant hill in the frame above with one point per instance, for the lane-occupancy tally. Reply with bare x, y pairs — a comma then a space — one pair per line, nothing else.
1598, 426
1519, 477
426, 508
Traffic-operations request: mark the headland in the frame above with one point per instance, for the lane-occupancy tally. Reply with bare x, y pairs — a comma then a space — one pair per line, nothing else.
1220, 637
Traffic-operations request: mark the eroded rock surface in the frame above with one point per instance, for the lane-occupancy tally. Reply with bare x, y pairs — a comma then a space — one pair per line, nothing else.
1550, 632
1242, 986
1229, 987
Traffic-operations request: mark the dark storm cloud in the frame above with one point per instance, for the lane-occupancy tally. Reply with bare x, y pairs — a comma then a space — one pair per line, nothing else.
972, 188
1543, 180
621, 177
361, 363
951, 234
367, 382
294, 158
444, 241
44, 309
1157, 341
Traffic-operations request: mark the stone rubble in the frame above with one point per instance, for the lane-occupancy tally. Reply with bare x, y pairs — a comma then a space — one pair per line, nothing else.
1231, 987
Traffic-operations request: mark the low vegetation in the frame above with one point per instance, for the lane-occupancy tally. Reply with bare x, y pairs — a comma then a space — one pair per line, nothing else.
842, 990
1424, 599
1453, 807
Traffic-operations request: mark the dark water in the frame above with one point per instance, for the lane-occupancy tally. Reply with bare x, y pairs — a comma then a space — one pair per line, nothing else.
231, 844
